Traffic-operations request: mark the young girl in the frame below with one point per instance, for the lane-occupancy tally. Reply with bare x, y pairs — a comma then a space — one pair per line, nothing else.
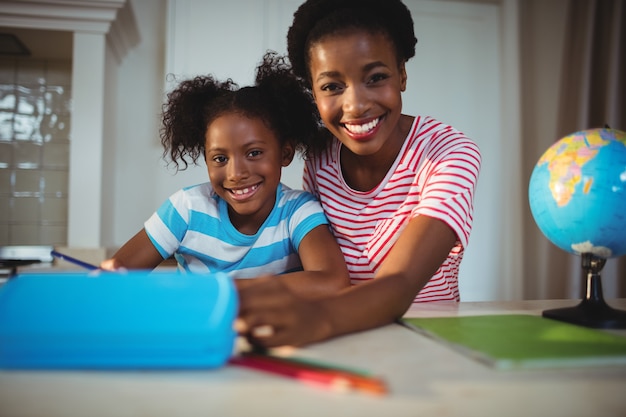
397, 189
244, 221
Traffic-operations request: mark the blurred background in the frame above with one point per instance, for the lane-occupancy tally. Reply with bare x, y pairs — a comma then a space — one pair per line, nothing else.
82, 83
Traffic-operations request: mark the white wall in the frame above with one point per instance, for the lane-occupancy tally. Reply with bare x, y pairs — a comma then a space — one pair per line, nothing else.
456, 76
132, 152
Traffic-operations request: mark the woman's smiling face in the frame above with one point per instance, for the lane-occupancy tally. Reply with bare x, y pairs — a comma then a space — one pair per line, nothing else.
357, 84
244, 159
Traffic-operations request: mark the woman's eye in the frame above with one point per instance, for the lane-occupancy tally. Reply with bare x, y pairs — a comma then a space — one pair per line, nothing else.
219, 159
378, 77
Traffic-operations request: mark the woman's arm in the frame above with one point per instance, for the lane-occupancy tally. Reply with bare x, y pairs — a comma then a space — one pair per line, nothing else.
417, 254
137, 253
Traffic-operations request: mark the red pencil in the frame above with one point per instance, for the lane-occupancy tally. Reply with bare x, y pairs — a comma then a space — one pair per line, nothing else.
324, 375
356, 380
306, 376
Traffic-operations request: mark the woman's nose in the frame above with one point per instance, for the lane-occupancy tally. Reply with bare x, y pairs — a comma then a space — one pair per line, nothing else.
355, 101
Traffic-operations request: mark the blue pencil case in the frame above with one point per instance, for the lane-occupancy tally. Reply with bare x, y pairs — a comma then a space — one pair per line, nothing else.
108, 320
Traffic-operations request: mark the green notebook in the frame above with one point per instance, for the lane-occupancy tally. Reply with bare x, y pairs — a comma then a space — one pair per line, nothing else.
523, 341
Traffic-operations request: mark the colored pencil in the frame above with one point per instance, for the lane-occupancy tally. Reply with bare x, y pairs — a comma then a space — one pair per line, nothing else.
312, 373
357, 379
73, 260
321, 379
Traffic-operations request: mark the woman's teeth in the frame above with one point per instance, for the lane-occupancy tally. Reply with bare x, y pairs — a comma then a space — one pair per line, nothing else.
364, 128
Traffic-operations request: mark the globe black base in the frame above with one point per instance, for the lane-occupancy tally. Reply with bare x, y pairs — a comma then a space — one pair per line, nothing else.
592, 311
590, 314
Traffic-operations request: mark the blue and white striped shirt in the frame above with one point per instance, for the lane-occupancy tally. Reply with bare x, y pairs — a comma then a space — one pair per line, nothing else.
193, 224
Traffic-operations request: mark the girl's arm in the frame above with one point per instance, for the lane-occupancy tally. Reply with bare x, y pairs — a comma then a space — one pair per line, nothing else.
324, 269
417, 254
137, 253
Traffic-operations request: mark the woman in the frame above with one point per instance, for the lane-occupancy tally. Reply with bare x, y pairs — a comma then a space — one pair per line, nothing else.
397, 189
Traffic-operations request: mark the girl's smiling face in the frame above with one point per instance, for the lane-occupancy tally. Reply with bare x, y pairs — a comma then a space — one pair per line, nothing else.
244, 160
357, 84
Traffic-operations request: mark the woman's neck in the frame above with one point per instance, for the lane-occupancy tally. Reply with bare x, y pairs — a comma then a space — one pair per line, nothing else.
365, 172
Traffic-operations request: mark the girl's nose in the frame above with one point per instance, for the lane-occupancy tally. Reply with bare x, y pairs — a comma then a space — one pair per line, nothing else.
237, 169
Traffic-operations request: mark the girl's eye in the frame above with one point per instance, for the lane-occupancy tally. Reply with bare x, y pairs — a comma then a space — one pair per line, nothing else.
254, 153
331, 87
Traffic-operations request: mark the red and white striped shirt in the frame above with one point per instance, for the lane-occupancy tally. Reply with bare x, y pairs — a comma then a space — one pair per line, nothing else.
435, 175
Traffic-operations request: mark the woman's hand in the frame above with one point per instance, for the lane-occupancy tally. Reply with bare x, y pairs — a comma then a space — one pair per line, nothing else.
271, 315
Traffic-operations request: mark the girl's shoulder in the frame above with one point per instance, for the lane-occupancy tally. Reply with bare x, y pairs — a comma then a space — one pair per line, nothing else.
197, 194
204, 187
285, 193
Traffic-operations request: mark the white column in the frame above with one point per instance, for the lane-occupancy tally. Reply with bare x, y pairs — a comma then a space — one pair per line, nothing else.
85, 178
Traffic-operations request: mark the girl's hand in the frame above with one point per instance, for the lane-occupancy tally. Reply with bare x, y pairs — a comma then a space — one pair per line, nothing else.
112, 265
271, 315
138, 253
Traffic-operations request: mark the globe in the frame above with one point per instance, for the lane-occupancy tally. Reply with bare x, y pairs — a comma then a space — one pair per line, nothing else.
577, 193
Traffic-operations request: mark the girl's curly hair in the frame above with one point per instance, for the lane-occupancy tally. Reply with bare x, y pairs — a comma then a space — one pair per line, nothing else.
315, 19
277, 97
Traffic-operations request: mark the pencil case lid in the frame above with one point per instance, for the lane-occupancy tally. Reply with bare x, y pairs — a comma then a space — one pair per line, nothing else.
139, 319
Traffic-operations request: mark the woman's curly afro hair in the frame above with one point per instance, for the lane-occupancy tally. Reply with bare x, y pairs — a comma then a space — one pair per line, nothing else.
316, 19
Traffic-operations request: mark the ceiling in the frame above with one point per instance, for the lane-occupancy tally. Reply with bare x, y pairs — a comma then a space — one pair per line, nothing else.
44, 44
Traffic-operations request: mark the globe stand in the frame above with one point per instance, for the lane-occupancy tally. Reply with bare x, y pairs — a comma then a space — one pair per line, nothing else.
592, 310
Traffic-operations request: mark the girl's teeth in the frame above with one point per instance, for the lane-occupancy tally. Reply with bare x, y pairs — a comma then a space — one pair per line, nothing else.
359, 129
244, 191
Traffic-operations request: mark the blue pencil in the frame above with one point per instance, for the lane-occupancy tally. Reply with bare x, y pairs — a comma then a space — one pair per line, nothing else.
73, 260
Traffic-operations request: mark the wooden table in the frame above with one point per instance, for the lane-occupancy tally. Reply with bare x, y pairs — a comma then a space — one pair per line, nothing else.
425, 377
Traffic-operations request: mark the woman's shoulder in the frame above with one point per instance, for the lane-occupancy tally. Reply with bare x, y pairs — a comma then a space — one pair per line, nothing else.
437, 142
427, 130
430, 126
